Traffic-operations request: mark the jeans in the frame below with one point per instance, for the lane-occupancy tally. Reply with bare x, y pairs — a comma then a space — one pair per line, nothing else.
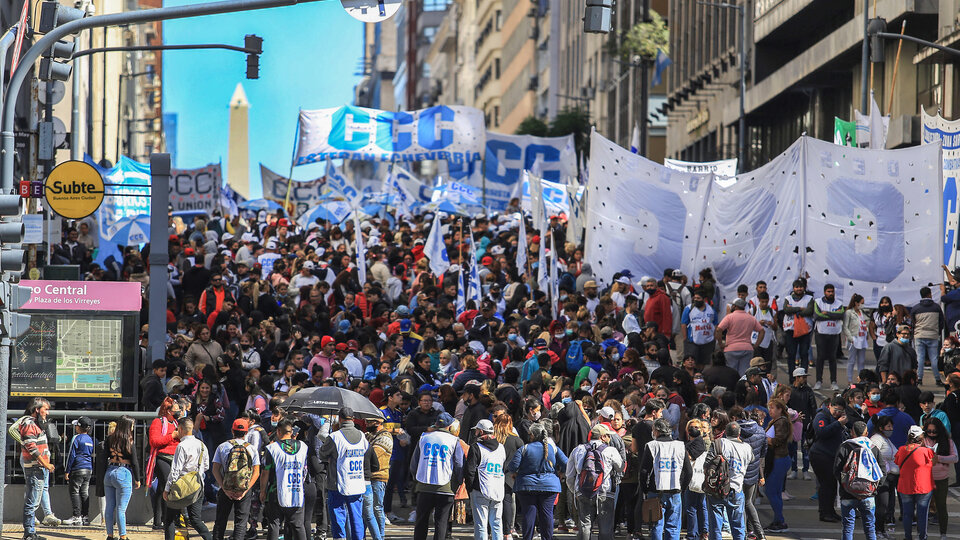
733, 505
827, 354
35, 478
774, 487
373, 517
600, 510
927, 349
118, 487
437, 504
804, 452
849, 508
695, 508
918, 504
750, 516
668, 528
194, 519
80, 492
399, 470
241, 513
858, 358
346, 510
797, 348
537, 510
739, 360
486, 513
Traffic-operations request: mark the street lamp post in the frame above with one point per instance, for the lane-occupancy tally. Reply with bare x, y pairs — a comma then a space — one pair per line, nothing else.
742, 128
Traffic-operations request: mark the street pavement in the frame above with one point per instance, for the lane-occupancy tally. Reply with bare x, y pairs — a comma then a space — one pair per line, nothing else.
801, 512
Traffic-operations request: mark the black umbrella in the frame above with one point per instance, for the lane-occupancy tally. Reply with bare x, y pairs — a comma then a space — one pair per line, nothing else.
323, 400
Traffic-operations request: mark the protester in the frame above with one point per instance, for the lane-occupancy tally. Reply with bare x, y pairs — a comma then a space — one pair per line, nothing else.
830, 427
381, 444
937, 438
437, 465
236, 469
35, 460
779, 437
346, 452
281, 484
537, 465
868, 468
738, 455
886, 495
915, 485
79, 469
666, 464
163, 438
190, 457
484, 479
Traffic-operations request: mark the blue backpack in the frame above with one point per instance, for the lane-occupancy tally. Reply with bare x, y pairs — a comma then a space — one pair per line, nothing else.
574, 357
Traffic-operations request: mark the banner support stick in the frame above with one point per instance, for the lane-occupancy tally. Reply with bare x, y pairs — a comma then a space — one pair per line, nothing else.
293, 160
896, 65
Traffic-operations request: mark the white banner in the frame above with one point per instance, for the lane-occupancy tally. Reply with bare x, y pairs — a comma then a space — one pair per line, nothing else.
555, 198
196, 189
303, 195
858, 219
507, 156
450, 133
724, 168
936, 128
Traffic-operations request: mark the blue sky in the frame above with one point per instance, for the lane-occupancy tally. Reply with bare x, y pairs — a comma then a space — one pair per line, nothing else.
310, 54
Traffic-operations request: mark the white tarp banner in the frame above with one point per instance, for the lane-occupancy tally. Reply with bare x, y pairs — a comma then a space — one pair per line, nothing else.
858, 219
936, 128
451, 133
303, 195
507, 156
724, 168
555, 198
196, 189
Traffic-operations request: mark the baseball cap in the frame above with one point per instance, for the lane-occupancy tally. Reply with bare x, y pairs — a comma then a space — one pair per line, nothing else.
531, 304
427, 388
352, 345
341, 346
241, 425
590, 284
405, 325
271, 244
248, 237
739, 303
403, 311
443, 421
539, 343
799, 372
343, 325
598, 431
623, 279
677, 273
606, 412
84, 422
486, 260
309, 265
326, 340
485, 426
915, 431
753, 371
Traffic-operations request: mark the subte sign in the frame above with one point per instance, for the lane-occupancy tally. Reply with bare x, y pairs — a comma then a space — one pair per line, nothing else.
74, 189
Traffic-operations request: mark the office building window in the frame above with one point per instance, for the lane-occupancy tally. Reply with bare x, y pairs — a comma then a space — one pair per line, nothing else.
435, 5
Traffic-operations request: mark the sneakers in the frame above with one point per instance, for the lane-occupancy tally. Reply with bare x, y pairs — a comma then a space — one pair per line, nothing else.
792, 475
393, 518
776, 527
52, 521
830, 518
412, 517
74, 521
85, 521
815, 496
834, 386
807, 475
818, 386
32, 536
571, 524
786, 496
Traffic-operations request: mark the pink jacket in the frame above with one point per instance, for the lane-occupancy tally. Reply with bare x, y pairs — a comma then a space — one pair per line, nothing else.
941, 470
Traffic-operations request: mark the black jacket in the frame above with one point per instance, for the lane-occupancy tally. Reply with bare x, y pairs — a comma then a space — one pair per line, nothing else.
471, 479
416, 423
842, 454
803, 400
151, 392
830, 433
475, 413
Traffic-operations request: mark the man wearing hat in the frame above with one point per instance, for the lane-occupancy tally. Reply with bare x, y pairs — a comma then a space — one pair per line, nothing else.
281, 484
804, 401
345, 452
438, 463
752, 379
213, 297
484, 480
597, 507
665, 470
79, 469
593, 298
236, 474
531, 319
735, 333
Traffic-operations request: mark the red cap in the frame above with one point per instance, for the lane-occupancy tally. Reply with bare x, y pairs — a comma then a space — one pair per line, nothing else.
283, 222
326, 340
486, 260
189, 252
535, 239
352, 345
174, 239
341, 346
241, 425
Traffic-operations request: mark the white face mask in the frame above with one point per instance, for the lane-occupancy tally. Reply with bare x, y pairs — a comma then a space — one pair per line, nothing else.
536, 416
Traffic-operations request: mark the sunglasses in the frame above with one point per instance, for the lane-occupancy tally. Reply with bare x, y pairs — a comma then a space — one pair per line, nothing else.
932, 433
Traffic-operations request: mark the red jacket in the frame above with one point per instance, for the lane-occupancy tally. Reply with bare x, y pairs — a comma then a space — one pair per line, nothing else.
916, 473
657, 309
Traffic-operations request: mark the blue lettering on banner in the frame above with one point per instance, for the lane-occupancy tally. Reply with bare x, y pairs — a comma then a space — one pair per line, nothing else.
499, 154
339, 129
885, 202
730, 268
547, 154
949, 209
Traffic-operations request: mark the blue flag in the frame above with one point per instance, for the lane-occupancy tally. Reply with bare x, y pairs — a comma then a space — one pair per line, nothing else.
660, 64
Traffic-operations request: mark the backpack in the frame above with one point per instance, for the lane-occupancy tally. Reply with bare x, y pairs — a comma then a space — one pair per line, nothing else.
591, 472
574, 357
853, 480
238, 469
716, 474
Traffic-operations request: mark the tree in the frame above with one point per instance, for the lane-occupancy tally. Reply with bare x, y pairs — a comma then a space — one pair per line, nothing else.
644, 39
574, 121
532, 125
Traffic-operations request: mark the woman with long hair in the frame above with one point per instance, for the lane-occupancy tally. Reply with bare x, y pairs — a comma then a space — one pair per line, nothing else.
208, 414
856, 329
507, 436
163, 439
951, 406
537, 485
886, 495
915, 485
779, 436
937, 439
285, 381
118, 474
878, 324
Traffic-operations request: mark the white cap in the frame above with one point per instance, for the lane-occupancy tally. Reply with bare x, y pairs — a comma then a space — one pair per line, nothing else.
271, 243
485, 426
606, 412
799, 372
248, 237
309, 265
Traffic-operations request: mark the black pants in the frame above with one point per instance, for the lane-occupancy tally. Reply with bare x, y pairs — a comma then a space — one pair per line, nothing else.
309, 503
291, 519
194, 519
241, 513
827, 353
626, 502
160, 471
80, 492
438, 504
826, 482
886, 499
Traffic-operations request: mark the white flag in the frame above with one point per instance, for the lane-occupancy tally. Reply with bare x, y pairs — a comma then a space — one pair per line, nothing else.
878, 126
543, 281
361, 251
461, 294
635, 139
476, 289
435, 249
575, 201
521, 245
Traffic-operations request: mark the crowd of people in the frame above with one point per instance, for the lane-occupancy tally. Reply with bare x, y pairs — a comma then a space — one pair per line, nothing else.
618, 404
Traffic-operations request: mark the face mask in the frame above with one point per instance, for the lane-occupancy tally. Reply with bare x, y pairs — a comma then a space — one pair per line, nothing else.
566, 400
558, 336
887, 433
699, 304
532, 312
875, 397
569, 332
512, 337
904, 340
182, 331
615, 356
244, 346
536, 416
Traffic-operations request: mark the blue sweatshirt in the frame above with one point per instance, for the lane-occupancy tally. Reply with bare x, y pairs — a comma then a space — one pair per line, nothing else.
901, 423
81, 453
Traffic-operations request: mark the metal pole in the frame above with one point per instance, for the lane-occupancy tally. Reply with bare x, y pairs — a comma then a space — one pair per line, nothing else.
5, 344
742, 139
864, 62
5, 42
159, 255
644, 90
553, 53
112, 19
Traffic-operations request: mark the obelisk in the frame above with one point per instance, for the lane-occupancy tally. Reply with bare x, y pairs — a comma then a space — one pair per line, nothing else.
238, 150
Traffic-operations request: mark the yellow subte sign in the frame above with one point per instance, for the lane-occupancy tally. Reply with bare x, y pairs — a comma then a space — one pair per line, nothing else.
74, 189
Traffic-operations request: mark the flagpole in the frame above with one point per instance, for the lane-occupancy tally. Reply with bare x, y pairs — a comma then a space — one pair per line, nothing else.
293, 159
896, 65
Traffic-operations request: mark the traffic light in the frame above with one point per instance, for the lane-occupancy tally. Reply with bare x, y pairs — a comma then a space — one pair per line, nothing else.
12, 258
14, 297
254, 46
875, 26
596, 18
52, 15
